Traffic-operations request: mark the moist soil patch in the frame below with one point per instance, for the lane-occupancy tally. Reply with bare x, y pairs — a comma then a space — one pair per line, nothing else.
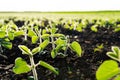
70, 67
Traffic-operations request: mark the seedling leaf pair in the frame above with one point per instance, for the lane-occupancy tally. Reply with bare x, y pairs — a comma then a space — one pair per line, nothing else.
115, 54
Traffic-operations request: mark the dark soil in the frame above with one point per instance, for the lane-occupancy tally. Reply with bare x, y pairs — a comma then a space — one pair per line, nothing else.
70, 67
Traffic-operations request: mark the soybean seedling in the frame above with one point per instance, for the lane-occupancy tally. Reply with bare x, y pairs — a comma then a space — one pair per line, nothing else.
64, 43
109, 69
21, 65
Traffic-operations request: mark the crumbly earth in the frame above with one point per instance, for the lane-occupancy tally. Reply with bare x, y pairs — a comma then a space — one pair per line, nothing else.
70, 67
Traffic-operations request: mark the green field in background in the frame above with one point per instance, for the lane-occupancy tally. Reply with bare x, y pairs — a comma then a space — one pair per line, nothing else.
66, 15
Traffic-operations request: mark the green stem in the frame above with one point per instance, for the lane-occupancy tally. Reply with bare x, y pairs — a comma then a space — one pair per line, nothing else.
67, 42
52, 40
25, 33
39, 34
33, 68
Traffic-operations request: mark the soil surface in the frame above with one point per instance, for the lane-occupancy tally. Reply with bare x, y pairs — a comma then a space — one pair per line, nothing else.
70, 67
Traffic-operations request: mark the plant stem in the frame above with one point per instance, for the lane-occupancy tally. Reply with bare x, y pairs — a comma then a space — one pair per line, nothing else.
33, 68
52, 40
25, 33
39, 34
1, 51
67, 42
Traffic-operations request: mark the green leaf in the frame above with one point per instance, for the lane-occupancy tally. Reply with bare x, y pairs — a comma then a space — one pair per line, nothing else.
60, 41
36, 50
7, 44
116, 50
75, 46
94, 28
2, 34
18, 33
112, 55
45, 35
56, 50
53, 53
107, 70
115, 54
34, 39
11, 35
117, 29
25, 50
44, 44
48, 66
31, 33
44, 31
21, 66
53, 30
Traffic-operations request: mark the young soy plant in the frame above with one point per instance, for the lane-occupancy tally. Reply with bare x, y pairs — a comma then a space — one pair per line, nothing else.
4, 42
63, 43
109, 69
21, 65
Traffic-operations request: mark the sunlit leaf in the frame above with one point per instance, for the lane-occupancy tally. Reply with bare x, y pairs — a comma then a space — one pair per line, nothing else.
107, 70
18, 33
11, 35
75, 46
48, 66
7, 44
21, 66
44, 44
25, 50
94, 28
2, 34
34, 39
36, 50
31, 33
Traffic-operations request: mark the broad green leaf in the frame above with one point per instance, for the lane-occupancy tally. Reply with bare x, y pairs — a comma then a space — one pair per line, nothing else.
117, 77
31, 33
94, 28
60, 41
107, 70
25, 50
7, 44
21, 66
58, 35
44, 44
11, 35
36, 50
48, 66
45, 35
2, 34
34, 39
75, 46
18, 33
